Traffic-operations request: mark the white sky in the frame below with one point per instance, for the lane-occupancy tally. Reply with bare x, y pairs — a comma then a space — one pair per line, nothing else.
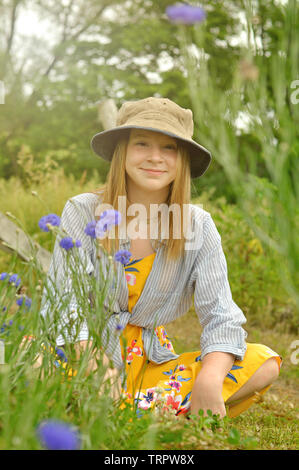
30, 24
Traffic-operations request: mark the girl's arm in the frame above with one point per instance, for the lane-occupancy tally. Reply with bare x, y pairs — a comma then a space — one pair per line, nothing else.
220, 317
69, 273
111, 375
223, 338
207, 389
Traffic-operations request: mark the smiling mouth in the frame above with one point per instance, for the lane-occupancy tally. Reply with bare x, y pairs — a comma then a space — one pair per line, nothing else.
153, 171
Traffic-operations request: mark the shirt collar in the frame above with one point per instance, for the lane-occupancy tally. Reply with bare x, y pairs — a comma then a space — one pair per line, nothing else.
126, 241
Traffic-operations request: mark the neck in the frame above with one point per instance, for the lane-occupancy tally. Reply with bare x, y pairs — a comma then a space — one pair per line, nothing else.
149, 217
148, 203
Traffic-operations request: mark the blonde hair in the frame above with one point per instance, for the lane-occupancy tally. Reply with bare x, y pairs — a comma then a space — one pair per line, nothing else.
179, 194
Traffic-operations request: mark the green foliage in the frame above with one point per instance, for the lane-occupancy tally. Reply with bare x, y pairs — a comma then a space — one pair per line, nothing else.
253, 267
260, 168
98, 57
235, 439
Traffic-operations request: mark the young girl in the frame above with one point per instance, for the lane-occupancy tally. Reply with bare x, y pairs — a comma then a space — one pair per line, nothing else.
153, 158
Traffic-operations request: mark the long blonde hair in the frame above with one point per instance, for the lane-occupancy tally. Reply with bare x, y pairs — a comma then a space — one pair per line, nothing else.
179, 194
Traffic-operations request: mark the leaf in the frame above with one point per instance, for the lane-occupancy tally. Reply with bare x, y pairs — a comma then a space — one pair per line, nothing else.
234, 436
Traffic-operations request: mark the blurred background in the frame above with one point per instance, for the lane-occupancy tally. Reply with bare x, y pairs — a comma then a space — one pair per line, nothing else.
58, 60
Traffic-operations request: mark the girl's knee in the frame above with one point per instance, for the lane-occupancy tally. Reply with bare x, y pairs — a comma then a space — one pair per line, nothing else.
271, 369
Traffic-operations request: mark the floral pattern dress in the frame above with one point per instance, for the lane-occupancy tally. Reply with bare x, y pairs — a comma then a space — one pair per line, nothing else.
171, 383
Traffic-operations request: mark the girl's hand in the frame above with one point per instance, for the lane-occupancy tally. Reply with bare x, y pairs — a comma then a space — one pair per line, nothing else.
38, 360
207, 396
111, 375
208, 385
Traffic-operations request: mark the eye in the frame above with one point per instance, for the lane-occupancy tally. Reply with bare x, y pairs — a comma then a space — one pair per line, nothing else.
170, 146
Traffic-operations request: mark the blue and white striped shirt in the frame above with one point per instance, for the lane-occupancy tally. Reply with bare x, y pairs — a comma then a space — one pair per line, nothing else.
167, 294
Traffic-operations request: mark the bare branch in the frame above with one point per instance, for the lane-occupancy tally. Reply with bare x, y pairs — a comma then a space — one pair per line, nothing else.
10, 38
66, 21
65, 40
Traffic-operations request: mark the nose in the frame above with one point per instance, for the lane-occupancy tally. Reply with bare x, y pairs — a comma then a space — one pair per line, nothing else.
156, 153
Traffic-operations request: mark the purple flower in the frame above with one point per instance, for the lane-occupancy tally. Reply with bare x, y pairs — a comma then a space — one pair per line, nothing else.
107, 220
3, 309
119, 327
3, 276
14, 279
57, 435
111, 216
5, 326
61, 354
67, 243
52, 219
123, 256
90, 229
186, 14
28, 301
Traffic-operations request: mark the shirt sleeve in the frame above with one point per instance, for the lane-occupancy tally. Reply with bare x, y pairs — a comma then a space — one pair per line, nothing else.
219, 315
66, 292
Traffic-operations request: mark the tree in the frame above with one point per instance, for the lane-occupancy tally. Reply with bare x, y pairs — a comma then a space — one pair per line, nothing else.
110, 49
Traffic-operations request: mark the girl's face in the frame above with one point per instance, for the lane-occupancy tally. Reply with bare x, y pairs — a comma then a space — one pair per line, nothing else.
149, 150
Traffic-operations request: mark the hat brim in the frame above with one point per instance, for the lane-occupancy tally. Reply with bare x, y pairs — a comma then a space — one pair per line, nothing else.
104, 143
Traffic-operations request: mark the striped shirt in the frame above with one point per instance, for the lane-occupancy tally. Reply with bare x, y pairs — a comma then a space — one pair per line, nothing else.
167, 294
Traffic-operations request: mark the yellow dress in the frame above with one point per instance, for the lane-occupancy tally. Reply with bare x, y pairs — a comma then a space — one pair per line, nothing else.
172, 381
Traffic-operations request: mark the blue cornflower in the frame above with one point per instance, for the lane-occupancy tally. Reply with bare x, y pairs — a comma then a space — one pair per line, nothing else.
123, 256
52, 219
186, 14
107, 220
61, 354
111, 216
15, 280
5, 326
67, 243
3, 276
57, 435
90, 229
28, 301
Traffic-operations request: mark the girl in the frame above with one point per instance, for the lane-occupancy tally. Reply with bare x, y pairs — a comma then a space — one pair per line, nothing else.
153, 158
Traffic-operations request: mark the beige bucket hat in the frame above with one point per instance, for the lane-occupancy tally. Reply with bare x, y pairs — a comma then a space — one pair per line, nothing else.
159, 115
